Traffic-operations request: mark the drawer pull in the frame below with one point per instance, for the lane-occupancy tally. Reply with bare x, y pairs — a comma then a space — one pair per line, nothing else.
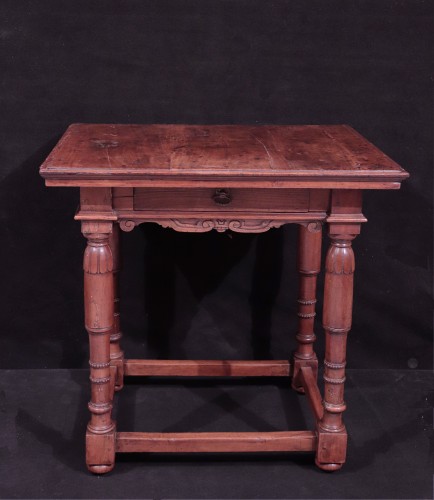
222, 197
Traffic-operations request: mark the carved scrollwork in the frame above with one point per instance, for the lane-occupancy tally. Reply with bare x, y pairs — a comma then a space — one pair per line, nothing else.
127, 225
205, 225
314, 227
221, 225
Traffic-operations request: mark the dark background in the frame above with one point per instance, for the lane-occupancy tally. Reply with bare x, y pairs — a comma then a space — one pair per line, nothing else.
365, 63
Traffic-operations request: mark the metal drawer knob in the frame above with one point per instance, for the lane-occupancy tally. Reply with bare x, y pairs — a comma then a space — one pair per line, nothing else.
222, 196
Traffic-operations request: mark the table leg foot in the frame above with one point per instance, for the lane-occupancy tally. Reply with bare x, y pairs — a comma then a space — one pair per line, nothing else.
100, 469
328, 467
331, 449
100, 452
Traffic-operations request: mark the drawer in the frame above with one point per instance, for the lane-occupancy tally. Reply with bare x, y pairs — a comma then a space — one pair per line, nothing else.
222, 200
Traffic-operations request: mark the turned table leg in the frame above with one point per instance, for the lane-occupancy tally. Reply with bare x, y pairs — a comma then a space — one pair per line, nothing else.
99, 318
116, 353
308, 266
337, 314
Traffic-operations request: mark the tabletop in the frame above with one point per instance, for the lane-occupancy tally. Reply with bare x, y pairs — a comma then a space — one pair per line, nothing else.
177, 155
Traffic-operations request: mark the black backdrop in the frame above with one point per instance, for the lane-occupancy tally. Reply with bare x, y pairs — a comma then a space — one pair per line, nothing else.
366, 63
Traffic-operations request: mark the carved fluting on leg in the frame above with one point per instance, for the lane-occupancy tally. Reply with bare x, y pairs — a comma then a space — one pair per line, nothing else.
337, 315
116, 353
99, 314
309, 266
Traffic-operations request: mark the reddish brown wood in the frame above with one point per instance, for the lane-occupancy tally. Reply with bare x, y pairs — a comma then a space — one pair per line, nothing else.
113, 378
100, 451
191, 153
346, 202
309, 266
345, 212
319, 200
96, 200
200, 222
234, 182
169, 442
123, 198
206, 368
99, 314
309, 381
197, 178
116, 353
236, 200
337, 316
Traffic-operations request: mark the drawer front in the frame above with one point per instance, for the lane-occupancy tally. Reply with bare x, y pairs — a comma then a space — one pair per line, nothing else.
221, 200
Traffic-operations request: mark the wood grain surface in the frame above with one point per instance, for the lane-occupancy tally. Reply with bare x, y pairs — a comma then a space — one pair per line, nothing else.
101, 152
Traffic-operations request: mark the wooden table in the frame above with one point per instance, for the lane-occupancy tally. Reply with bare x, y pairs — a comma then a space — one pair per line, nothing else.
246, 179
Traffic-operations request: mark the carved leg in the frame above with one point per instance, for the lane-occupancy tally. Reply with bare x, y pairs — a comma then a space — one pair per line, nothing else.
116, 353
99, 317
338, 302
309, 266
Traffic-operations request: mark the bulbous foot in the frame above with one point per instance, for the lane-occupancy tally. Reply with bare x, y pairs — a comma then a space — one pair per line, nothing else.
328, 467
100, 469
100, 451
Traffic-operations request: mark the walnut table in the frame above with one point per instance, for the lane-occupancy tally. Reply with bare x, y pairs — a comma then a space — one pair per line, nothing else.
225, 177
